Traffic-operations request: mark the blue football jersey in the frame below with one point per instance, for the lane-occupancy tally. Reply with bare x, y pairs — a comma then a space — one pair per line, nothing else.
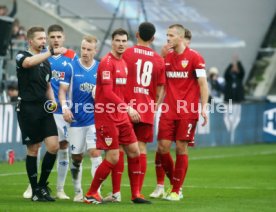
59, 67
81, 80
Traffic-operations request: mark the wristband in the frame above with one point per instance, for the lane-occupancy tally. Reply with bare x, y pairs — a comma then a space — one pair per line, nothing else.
64, 107
52, 51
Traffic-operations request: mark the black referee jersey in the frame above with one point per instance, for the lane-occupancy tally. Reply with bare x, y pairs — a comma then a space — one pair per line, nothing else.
32, 82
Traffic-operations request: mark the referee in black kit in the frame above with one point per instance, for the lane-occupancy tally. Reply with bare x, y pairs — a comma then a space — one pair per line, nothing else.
36, 100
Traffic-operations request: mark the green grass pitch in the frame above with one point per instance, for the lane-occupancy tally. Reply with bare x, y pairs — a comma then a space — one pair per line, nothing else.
236, 178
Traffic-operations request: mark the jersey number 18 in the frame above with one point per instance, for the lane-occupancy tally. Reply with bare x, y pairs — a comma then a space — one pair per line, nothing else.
145, 79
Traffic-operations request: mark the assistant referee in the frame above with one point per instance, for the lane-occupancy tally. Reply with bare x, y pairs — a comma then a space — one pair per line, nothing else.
36, 122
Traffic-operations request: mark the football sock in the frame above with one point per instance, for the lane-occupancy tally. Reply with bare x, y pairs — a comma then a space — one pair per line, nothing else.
160, 173
95, 163
46, 167
62, 167
38, 158
168, 165
117, 173
100, 175
143, 162
134, 171
31, 168
181, 166
76, 171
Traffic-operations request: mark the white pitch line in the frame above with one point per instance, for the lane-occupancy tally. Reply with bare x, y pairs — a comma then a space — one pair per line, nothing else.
191, 159
191, 186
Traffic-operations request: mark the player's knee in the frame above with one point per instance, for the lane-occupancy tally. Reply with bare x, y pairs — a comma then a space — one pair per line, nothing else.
180, 150
63, 144
77, 158
53, 149
162, 148
94, 153
32, 149
143, 148
113, 159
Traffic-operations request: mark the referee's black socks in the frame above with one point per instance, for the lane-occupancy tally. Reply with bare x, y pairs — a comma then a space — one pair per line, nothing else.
31, 168
46, 168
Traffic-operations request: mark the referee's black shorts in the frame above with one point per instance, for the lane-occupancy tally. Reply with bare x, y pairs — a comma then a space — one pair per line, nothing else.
35, 123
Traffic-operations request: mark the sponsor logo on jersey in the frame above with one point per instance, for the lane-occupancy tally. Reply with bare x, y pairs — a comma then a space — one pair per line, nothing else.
57, 75
108, 141
121, 81
106, 75
177, 74
86, 87
184, 63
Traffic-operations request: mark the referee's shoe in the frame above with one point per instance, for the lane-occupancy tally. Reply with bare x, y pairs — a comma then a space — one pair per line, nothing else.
42, 194
37, 196
45, 192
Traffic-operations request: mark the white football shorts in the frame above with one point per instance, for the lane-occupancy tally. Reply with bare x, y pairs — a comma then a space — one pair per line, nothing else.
62, 127
82, 138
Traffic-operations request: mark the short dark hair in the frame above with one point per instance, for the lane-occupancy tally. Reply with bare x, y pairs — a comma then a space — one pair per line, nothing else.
146, 31
32, 30
188, 34
180, 29
119, 31
54, 28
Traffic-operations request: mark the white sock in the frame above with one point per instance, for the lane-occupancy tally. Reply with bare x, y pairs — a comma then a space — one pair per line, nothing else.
77, 181
38, 158
62, 167
95, 163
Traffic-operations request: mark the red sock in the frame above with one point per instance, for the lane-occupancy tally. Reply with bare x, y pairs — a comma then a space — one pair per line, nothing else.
134, 171
186, 164
160, 173
143, 162
117, 173
100, 175
168, 165
181, 166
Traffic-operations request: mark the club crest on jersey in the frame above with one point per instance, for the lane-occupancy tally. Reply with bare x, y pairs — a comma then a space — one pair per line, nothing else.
58, 75
184, 63
108, 141
106, 75
86, 87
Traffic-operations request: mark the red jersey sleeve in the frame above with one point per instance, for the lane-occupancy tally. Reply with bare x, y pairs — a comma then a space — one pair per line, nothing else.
106, 78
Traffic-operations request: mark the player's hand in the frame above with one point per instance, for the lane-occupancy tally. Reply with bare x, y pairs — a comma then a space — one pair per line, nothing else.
133, 114
93, 92
166, 49
67, 115
205, 118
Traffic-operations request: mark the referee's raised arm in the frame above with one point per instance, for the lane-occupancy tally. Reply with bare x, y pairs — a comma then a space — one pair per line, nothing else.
39, 58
